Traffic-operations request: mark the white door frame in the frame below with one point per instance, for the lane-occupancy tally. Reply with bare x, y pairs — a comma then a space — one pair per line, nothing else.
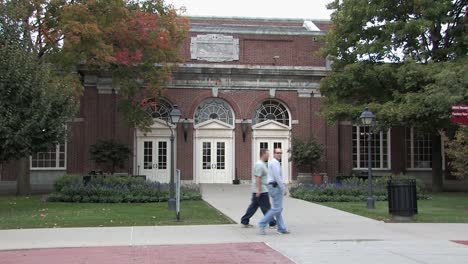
271, 130
158, 130
213, 130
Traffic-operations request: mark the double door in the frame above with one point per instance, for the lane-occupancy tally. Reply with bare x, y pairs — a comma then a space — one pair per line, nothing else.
214, 160
154, 159
271, 144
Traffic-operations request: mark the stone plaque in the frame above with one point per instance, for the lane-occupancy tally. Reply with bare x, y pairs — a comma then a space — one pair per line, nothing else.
214, 47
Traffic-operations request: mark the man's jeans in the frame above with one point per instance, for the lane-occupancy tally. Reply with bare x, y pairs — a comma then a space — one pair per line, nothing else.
277, 196
263, 202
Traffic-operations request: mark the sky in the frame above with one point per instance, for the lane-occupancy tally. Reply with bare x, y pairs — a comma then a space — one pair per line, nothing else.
312, 9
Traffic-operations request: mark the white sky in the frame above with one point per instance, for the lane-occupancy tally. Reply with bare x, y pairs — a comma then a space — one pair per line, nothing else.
313, 9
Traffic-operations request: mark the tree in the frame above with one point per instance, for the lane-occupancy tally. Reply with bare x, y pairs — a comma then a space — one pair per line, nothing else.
35, 106
405, 59
134, 42
110, 153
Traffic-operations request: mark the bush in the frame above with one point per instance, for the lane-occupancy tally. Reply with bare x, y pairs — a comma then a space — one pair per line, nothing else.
110, 153
117, 189
351, 190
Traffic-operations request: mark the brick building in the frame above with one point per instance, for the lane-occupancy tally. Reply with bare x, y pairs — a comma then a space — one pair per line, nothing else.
243, 84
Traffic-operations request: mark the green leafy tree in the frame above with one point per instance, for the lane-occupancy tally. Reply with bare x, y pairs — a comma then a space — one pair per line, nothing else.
405, 59
35, 105
306, 152
110, 153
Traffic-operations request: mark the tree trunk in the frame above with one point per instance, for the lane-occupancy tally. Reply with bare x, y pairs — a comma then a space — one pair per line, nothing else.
437, 173
23, 186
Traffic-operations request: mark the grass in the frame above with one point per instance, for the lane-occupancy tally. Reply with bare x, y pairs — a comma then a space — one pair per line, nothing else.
34, 212
441, 208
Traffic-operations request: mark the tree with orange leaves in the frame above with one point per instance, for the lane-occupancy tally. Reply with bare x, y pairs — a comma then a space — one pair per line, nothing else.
135, 42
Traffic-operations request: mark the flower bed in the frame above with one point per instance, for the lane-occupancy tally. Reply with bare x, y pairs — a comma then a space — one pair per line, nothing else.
350, 190
115, 189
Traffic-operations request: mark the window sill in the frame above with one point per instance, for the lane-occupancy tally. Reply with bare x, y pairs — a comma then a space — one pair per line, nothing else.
46, 169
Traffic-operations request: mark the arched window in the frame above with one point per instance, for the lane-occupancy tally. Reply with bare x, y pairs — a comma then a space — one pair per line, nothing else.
159, 109
271, 110
214, 108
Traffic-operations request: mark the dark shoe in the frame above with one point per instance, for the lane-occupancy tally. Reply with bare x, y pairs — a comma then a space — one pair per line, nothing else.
247, 225
285, 232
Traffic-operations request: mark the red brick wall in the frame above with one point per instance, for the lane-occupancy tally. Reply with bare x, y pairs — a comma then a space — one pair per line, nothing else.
346, 149
260, 49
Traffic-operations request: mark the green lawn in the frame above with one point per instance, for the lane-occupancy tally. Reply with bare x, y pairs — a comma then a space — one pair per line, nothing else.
442, 208
33, 212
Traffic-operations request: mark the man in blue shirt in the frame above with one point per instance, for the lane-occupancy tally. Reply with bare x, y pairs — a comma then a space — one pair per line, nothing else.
260, 196
277, 190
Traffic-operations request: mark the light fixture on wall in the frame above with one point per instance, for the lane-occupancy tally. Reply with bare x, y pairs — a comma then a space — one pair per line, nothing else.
185, 126
244, 126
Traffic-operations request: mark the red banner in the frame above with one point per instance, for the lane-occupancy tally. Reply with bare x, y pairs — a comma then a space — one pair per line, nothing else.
460, 114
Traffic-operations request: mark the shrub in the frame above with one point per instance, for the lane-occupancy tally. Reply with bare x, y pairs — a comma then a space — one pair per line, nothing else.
351, 190
110, 153
67, 180
306, 152
457, 150
117, 189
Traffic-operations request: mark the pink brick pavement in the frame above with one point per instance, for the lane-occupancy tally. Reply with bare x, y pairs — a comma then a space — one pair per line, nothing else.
463, 242
241, 253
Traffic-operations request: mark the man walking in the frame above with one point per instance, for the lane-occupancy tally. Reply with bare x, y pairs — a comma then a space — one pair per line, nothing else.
276, 190
259, 190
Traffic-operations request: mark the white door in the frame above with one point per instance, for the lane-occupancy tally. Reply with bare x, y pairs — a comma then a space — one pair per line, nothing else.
214, 159
271, 144
154, 159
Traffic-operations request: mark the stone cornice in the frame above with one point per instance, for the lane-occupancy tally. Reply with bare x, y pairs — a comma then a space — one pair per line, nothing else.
254, 30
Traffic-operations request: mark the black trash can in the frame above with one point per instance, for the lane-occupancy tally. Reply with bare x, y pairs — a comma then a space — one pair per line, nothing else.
402, 198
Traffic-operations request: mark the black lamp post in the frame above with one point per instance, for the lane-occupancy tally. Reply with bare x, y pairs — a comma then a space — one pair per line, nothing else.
174, 117
367, 118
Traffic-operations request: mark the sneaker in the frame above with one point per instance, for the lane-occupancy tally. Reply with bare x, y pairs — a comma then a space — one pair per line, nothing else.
261, 231
273, 227
283, 232
247, 225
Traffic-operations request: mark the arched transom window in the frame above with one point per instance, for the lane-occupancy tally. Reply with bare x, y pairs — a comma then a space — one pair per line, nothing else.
214, 108
271, 110
159, 109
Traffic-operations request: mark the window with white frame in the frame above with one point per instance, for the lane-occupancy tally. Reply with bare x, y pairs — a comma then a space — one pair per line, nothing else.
53, 158
418, 149
380, 148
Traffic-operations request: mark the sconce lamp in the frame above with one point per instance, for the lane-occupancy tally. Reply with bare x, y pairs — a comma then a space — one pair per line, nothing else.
244, 126
185, 126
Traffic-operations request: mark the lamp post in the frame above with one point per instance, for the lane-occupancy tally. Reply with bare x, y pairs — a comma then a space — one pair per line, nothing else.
367, 118
174, 117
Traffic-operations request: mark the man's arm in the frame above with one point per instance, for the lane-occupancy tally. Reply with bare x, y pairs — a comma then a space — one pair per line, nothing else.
259, 185
278, 177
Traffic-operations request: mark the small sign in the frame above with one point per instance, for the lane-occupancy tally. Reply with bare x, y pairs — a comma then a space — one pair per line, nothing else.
460, 114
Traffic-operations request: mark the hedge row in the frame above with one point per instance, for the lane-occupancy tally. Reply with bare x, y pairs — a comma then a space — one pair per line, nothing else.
351, 190
117, 189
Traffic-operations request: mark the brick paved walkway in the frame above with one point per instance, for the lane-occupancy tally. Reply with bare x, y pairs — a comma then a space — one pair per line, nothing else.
461, 242
239, 253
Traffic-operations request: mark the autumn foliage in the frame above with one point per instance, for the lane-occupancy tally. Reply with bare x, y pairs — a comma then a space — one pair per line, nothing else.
135, 42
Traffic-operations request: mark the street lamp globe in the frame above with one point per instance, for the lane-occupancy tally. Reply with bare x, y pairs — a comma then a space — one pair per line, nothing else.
367, 117
175, 115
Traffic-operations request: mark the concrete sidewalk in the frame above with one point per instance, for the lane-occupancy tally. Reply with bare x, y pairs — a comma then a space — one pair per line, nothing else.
319, 234
325, 235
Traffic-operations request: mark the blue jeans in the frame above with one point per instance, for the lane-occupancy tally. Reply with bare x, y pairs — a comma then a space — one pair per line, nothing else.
275, 211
